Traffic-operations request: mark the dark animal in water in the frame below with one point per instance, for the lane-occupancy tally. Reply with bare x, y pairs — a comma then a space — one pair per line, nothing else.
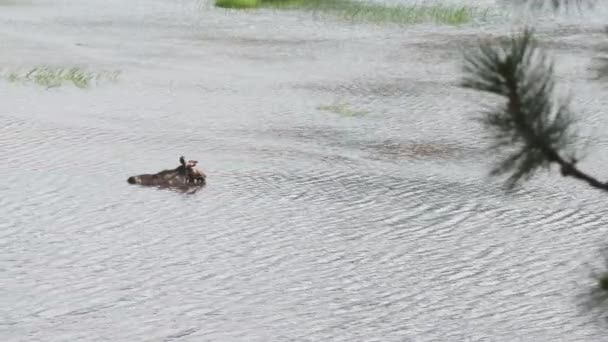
185, 175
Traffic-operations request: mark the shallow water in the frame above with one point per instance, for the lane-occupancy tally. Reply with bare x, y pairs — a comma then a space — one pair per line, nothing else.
315, 225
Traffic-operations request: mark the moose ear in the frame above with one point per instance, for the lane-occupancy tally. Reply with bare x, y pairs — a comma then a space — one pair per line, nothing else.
182, 161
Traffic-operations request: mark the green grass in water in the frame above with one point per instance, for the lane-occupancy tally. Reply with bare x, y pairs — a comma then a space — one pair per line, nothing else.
376, 13
237, 3
51, 77
342, 109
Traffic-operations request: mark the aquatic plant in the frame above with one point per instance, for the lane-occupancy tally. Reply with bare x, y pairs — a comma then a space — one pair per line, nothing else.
412, 14
342, 109
50, 77
237, 3
555, 4
370, 12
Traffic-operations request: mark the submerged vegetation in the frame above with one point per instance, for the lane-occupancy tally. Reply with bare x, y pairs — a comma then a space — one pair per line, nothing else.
342, 109
51, 77
237, 3
369, 12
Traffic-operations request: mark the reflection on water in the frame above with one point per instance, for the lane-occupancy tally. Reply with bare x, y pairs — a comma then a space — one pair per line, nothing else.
313, 226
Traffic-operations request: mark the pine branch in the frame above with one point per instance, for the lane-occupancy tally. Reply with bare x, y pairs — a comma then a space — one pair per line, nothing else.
539, 130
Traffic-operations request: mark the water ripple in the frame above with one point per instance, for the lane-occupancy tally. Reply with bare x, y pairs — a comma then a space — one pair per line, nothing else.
314, 226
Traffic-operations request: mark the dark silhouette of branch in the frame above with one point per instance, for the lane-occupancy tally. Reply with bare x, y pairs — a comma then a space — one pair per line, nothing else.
531, 122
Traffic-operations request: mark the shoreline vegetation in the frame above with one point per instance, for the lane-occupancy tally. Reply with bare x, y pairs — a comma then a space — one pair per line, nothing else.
370, 12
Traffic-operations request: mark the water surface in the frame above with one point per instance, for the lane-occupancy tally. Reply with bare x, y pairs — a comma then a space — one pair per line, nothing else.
315, 225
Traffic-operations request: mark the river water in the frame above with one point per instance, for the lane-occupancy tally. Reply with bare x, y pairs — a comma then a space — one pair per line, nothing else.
316, 225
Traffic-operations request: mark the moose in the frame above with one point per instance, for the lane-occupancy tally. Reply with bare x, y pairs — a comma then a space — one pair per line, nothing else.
186, 175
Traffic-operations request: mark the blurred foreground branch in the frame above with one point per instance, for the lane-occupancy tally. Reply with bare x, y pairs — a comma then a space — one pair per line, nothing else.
537, 128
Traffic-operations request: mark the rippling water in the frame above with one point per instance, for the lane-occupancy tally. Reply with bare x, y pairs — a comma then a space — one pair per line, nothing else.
315, 225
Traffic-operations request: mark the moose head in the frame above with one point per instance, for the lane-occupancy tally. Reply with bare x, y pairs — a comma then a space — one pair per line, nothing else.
185, 175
